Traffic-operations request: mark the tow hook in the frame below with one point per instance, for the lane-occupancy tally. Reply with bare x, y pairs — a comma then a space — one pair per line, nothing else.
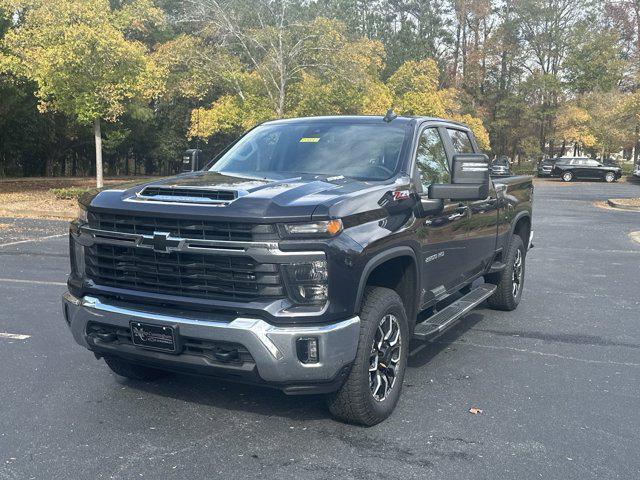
226, 356
106, 337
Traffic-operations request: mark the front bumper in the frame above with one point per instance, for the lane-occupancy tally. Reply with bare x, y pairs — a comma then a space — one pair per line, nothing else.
272, 348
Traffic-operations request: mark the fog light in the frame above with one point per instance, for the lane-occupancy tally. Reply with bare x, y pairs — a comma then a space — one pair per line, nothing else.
307, 349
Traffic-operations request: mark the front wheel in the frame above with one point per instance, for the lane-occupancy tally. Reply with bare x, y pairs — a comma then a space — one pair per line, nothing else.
372, 389
509, 281
610, 177
567, 176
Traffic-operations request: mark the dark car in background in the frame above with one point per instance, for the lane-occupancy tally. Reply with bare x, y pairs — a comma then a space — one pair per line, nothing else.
585, 169
545, 167
500, 167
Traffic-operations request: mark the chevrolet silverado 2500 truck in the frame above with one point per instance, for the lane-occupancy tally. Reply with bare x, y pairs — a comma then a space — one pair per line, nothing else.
307, 258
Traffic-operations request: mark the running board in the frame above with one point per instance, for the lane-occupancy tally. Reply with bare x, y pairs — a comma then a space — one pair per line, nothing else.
436, 325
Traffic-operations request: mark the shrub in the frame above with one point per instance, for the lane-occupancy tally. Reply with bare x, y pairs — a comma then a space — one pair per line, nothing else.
70, 193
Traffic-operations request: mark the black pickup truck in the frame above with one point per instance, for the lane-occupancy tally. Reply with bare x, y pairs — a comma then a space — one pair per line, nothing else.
306, 258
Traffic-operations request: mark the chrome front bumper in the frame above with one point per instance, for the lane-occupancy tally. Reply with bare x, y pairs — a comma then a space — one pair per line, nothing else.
273, 348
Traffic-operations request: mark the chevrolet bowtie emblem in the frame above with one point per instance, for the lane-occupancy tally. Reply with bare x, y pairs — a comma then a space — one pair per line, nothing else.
161, 242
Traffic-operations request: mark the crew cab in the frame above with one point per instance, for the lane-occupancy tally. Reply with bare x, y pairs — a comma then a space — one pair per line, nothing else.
306, 258
585, 169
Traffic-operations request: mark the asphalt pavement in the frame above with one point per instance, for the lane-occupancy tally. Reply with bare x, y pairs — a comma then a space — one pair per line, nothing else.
558, 380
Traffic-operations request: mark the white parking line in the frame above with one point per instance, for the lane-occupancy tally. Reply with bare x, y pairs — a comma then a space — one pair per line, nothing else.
32, 240
14, 336
34, 282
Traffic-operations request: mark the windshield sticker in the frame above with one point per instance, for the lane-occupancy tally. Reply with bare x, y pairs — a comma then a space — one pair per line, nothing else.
309, 139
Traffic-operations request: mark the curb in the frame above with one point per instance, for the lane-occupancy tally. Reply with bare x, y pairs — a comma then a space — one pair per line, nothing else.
615, 203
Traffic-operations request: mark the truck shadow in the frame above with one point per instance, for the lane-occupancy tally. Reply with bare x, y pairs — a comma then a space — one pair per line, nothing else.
224, 395
423, 352
230, 396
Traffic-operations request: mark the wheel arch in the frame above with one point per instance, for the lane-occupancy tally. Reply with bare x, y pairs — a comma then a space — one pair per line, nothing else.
521, 226
397, 269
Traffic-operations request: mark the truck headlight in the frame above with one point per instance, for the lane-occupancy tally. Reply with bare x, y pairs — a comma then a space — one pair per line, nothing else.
325, 228
307, 283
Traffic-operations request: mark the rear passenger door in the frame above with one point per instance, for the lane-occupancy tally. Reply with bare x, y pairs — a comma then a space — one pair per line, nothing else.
593, 169
482, 221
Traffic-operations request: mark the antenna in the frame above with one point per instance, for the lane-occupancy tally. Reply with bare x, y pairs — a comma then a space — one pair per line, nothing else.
390, 116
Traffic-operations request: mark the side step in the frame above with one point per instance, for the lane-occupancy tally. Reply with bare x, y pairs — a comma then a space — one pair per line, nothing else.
435, 325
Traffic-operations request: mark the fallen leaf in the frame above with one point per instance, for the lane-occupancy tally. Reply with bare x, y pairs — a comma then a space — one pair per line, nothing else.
476, 410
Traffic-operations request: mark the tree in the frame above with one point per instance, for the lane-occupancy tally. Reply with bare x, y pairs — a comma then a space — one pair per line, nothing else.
78, 54
593, 62
573, 127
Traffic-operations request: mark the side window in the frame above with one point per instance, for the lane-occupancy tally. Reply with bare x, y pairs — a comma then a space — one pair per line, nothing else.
592, 163
461, 141
431, 159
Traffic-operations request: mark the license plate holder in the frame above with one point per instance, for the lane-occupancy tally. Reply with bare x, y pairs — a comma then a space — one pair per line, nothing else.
154, 337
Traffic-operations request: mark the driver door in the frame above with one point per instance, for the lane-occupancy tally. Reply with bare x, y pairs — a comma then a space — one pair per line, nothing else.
442, 235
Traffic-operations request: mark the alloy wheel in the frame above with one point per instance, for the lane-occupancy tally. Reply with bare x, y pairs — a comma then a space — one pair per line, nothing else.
385, 356
516, 274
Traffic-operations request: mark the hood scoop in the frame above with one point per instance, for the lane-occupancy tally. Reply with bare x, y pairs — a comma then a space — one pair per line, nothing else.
198, 195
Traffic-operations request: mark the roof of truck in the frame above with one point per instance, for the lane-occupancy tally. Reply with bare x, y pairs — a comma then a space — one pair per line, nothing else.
364, 119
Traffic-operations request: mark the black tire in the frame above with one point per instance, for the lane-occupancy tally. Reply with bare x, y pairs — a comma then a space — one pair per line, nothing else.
506, 297
610, 177
133, 371
567, 176
355, 401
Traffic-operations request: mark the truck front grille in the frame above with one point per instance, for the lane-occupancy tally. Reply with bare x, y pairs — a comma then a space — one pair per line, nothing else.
224, 277
183, 228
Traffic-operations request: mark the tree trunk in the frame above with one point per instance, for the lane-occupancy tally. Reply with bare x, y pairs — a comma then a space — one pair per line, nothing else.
98, 137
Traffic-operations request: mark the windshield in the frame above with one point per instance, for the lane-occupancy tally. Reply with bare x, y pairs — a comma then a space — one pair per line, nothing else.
362, 151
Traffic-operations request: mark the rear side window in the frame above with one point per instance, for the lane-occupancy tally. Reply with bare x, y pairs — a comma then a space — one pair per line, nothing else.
431, 159
461, 141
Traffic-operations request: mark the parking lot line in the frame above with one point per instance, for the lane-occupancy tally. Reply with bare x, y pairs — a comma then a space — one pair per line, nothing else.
32, 240
14, 336
34, 282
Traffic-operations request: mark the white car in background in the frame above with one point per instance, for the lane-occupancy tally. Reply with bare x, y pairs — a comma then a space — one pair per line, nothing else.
636, 170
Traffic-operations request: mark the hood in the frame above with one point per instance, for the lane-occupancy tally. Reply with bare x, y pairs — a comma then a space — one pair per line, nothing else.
243, 198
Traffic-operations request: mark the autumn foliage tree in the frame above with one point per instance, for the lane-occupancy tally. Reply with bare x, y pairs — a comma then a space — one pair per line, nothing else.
78, 55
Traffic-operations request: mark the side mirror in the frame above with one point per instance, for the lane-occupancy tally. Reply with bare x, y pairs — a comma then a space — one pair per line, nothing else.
469, 179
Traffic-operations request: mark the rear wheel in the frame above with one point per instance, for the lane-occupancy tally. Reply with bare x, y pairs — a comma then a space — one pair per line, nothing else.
509, 281
610, 177
372, 389
567, 176
133, 371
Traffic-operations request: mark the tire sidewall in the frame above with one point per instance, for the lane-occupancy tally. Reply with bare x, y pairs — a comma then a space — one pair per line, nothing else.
382, 409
